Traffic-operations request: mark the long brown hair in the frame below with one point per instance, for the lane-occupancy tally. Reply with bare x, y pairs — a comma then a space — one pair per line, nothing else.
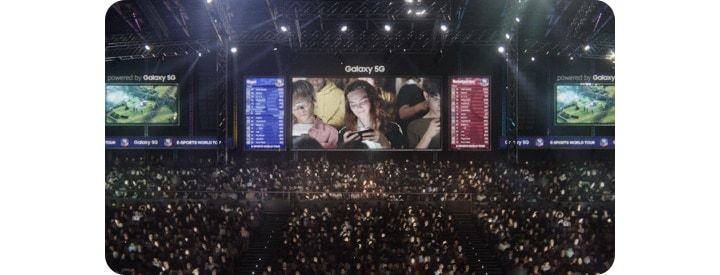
377, 114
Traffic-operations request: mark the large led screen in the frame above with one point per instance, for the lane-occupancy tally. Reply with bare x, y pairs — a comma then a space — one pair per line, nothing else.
141, 104
366, 113
470, 113
264, 113
585, 104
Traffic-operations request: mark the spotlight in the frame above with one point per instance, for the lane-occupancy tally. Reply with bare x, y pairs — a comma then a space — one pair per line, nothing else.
233, 49
283, 28
517, 19
586, 48
199, 54
343, 28
611, 55
387, 27
443, 27
507, 36
147, 47
209, 1
501, 49
532, 59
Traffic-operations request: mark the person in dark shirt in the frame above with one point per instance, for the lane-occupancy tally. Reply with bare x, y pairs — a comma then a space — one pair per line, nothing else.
411, 102
424, 132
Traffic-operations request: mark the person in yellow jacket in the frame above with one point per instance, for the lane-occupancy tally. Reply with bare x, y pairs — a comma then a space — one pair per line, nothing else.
330, 102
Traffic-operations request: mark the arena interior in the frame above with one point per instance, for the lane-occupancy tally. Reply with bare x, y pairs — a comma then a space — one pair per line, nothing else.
505, 166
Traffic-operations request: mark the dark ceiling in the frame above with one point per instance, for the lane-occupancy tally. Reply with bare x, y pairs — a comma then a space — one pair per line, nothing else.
179, 27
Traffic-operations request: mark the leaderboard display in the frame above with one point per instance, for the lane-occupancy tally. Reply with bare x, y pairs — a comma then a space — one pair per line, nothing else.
470, 113
264, 113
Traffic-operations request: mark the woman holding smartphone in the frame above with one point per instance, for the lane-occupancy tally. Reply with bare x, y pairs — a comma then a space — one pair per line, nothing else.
365, 123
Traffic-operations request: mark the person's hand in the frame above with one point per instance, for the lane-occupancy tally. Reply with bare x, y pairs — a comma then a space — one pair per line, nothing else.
350, 136
433, 128
377, 136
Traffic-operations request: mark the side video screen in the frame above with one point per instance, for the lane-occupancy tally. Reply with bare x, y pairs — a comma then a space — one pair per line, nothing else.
585, 104
141, 104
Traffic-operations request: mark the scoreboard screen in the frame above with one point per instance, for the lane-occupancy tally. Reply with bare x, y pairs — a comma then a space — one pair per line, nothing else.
470, 113
264, 113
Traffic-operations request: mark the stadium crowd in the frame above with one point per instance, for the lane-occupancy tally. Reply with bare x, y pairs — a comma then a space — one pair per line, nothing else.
539, 217
360, 238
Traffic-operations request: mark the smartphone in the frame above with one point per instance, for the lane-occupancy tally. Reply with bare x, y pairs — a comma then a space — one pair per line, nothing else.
361, 132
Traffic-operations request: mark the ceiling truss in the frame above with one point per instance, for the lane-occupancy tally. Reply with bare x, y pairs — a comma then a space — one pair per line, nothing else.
313, 27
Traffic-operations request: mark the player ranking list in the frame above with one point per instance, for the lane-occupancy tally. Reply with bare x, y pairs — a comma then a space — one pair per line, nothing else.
264, 111
470, 109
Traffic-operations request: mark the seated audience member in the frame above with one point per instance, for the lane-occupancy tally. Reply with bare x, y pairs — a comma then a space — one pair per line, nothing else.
364, 112
305, 122
424, 133
410, 102
330, 101
387, 96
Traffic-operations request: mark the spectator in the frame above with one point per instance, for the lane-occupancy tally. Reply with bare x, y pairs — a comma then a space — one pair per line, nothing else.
305, 122
387, 96
364, 113
330, 102
424, 132
411, 102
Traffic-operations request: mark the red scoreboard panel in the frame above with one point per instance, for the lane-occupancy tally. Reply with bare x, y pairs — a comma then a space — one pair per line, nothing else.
470, 113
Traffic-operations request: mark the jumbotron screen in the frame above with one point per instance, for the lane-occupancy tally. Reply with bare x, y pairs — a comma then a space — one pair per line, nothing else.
377, 113
265, 113
153, 104
470, 113
585, 104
